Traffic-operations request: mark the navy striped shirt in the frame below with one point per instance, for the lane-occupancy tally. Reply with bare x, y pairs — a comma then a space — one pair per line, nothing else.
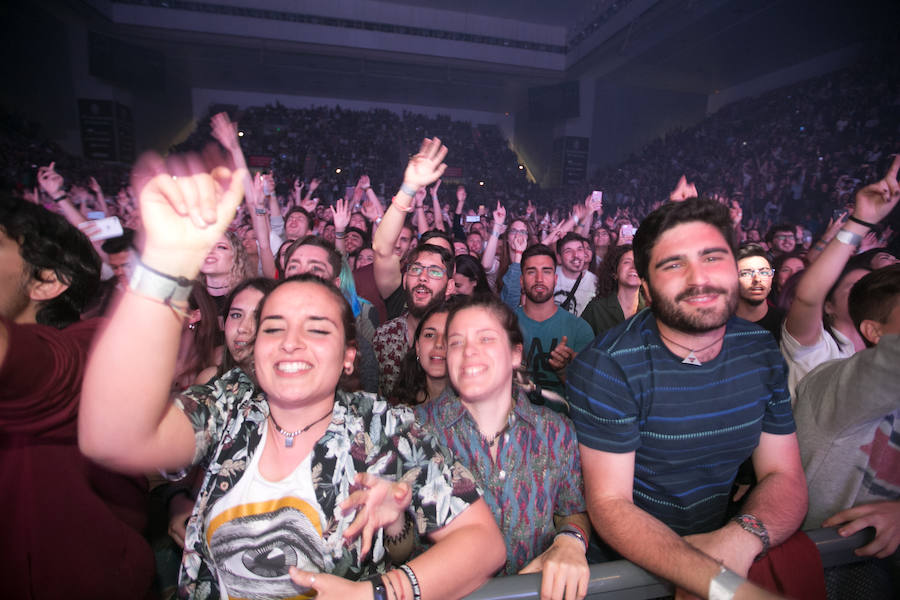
690, 426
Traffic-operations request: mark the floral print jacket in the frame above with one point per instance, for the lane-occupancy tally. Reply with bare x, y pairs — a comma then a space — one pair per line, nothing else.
365, 435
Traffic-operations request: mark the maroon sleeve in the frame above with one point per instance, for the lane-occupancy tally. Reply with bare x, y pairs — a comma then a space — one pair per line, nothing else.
40, 378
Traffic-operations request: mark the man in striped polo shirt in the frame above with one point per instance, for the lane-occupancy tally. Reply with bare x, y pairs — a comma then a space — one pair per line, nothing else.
670, 403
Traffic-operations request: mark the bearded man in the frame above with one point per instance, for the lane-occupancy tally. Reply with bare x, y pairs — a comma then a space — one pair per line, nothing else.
428, 271
670, 403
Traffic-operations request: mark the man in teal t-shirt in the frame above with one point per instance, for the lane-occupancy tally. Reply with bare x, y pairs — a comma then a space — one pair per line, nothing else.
552, 336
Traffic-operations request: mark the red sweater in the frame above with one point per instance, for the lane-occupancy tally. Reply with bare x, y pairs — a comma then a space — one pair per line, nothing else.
70, 529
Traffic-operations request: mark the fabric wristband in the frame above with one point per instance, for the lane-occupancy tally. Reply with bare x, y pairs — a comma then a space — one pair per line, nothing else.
409, 191
575, 532
724, 585
849, 238
159, 286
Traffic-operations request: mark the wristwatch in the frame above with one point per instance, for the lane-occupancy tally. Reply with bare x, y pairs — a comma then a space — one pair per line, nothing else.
755, 526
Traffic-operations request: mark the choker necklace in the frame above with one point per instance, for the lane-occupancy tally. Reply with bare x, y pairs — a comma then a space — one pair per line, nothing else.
290, 435
490, 441
691, 359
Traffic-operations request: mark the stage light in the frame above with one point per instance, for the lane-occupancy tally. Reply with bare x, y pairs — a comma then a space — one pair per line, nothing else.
338, 170
240, 134
480, 183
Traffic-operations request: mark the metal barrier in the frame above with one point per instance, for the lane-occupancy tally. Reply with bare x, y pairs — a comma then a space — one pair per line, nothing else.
623, 580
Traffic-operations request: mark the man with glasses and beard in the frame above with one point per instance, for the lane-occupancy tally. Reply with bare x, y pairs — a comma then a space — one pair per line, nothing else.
755, 275
669, 404
428, 272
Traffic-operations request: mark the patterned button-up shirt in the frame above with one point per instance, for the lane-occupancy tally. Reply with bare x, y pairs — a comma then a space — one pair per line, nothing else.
365, 435
537, 473
390, 345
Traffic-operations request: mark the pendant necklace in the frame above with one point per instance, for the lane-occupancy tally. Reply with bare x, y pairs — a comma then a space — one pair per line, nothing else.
290, 435
490, 441
691, 358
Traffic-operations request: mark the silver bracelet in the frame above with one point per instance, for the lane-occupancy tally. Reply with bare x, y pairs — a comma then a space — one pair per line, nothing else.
725, 584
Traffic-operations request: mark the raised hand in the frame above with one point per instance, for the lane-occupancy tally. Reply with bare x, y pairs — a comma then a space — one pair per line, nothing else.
461, 194
225, 131
499, 214
378, 503
309, 203
427, 165
95, 187
579, 212
254, 194
371, 209
313, 185
340, 212
876, 201
185, 206
529, 210
435, 188
50, 181
683, 190
561, 355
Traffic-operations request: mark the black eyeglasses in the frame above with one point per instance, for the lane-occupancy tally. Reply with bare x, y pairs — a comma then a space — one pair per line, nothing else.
433, 271
749, 273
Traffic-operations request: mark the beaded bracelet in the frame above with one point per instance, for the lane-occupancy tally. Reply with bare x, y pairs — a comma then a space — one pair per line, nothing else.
413, 580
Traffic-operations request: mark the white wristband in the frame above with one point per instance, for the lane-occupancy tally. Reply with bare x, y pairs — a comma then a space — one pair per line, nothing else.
724, 585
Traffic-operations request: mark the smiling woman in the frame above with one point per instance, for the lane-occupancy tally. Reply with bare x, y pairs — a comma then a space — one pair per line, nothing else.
291, 459
525, 457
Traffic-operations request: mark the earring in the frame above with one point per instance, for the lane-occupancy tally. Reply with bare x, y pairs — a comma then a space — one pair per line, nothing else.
192, 326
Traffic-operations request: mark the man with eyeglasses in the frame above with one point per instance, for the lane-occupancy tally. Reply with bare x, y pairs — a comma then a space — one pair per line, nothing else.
755, 275
781, 239
425, 280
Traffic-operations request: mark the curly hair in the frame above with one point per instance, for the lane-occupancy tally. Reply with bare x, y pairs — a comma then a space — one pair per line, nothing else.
47, 242
241, 268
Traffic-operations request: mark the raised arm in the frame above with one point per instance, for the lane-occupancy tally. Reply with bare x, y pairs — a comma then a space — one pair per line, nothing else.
424, 167
436, 207
873, 203
125, 420
259, 217
490, 251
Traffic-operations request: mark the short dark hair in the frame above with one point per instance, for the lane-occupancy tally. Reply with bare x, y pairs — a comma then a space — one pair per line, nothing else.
446, 256
538, 250
874, 296
303, 211
751, 250
569, 237
48, 242
672, 214
435, 233
119, 244
334, 257
770, 235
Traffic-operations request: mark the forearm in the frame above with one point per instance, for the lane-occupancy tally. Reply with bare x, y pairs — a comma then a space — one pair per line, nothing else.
648, 543
450, 568
804, 318
780, 501
490, 251
421, 221
512, 286
438, 215
126, 389
387, 264
266, 257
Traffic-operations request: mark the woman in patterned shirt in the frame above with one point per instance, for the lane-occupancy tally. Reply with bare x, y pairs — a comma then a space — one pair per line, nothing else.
285, 453
524, 457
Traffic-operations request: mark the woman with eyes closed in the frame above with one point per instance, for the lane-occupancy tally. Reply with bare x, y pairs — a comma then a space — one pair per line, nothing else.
423, 372
298, 490
525, 457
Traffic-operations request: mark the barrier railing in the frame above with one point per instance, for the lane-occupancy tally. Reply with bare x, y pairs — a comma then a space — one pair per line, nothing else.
623, 580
